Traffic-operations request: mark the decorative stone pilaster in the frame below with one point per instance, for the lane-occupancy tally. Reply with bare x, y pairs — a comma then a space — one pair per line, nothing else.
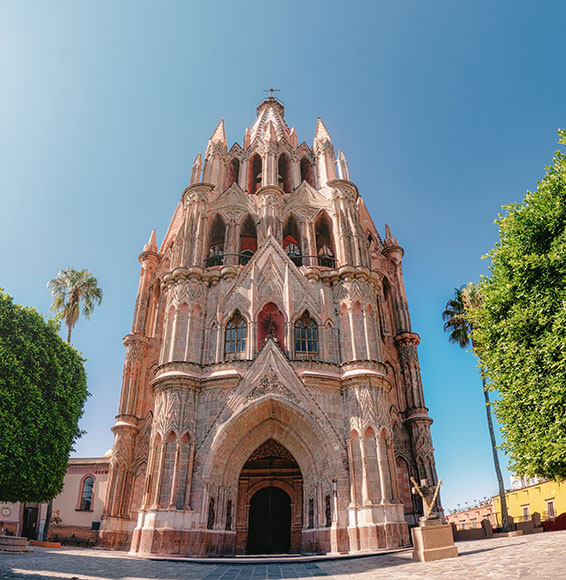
132, 376
407, 343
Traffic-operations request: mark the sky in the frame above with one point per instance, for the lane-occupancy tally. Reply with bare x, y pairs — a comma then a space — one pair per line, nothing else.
446, 110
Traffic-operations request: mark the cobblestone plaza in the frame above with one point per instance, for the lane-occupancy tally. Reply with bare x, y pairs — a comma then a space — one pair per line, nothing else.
533, 556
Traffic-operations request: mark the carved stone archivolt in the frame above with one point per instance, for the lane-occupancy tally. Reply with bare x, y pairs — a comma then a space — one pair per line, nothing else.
271, 448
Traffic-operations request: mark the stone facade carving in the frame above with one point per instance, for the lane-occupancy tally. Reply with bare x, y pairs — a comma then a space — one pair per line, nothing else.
270, 385
286, 368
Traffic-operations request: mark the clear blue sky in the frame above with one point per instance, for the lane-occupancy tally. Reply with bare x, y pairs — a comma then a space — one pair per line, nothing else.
446, 110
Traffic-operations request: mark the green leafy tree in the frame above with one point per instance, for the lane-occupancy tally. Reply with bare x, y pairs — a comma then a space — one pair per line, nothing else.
42, 394
457, 322
520, 327
68, 290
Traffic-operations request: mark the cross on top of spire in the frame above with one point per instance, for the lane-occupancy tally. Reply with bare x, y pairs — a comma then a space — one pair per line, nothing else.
271, 90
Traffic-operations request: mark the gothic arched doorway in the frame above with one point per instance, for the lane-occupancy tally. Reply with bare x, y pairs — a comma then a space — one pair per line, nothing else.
269, 528
270, 501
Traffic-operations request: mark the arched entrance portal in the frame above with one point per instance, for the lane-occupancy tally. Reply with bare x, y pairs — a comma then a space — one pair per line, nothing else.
270, 500
269, 528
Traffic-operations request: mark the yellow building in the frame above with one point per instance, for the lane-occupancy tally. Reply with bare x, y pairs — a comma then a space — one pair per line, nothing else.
547, 498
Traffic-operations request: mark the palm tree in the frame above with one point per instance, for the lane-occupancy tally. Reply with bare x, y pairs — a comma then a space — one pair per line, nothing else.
69, 289
458, 324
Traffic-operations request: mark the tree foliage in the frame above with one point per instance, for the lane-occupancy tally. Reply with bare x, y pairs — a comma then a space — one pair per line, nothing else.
42, 394
69, 289
520, 327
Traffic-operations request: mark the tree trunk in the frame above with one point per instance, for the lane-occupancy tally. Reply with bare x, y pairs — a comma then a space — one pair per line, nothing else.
69, 334
47, 520
504, 514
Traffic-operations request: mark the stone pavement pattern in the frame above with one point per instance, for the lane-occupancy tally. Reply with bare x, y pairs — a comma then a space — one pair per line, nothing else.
535, 556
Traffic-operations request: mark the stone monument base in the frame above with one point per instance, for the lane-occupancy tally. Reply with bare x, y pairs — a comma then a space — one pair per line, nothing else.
433, 543
13, 545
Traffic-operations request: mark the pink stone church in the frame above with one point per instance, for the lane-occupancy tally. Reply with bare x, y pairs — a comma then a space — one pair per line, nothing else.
271, 397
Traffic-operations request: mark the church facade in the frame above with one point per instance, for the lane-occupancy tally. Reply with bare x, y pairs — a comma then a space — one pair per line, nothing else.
271, 398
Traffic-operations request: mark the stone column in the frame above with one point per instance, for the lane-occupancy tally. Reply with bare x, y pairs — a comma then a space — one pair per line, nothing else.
352, 473
149, 476
352, 332
366, 334
159, 474
132, 374
173, 337
383, 466
190, 466
175, 478
187, 349
365, 475
149, 260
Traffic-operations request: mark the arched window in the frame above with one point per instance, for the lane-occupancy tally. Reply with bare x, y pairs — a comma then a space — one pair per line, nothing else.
254, 174
306, 335
284, 174
307, 174
236, 335
216, 246
292, 241
86, 494
324, 244
233, 172
248, 241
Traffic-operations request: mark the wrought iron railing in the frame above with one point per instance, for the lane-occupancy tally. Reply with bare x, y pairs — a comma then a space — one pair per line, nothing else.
323, 261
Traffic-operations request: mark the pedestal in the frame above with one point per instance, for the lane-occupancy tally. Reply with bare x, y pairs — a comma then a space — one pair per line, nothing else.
13, 545
433, 543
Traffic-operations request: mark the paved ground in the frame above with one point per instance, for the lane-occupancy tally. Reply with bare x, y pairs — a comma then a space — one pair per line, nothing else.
535, 556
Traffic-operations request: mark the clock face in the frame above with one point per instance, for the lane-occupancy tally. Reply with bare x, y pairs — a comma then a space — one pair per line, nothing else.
6, 511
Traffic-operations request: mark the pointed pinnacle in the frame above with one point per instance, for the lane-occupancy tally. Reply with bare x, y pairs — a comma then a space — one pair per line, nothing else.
321, 133
389, 239
198, 160
219, 134
151, 245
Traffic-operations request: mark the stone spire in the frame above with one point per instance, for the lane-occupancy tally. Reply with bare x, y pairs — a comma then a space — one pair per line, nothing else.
324, 153
342, 166
214, 166
219, 135
321, 134
196, 170
270, 110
